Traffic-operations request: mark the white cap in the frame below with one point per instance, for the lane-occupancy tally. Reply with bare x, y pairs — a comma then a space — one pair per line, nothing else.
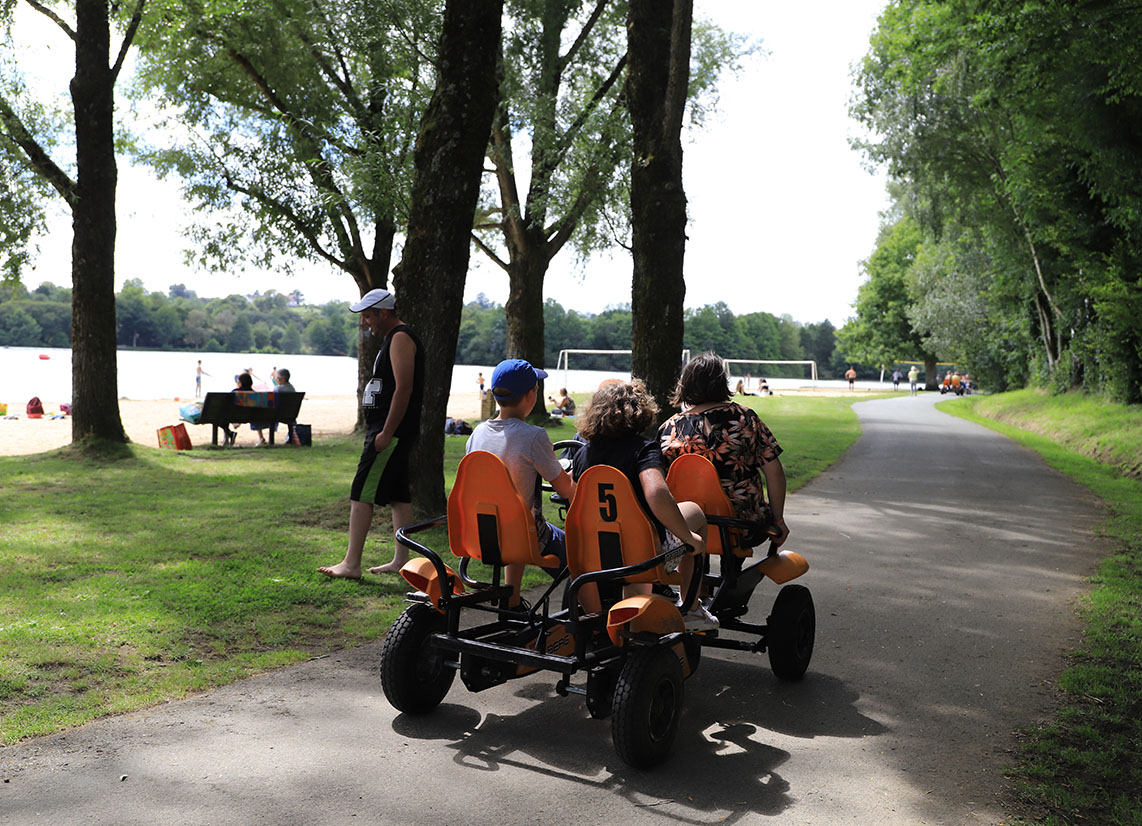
381, 299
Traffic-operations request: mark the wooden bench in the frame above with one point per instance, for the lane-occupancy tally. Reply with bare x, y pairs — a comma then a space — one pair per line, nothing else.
259, 408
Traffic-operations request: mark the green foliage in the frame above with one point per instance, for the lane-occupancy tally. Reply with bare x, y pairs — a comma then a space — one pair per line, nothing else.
882, 333
180, 320
1009, 129
713, 327
296, 120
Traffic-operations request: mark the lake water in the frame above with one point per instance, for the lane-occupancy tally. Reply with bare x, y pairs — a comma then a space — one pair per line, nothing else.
145, 374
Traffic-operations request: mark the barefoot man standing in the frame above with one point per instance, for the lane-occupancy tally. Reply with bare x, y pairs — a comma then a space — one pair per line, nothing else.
391, 403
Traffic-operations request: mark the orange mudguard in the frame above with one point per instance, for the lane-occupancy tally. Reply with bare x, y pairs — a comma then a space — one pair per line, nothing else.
422, 575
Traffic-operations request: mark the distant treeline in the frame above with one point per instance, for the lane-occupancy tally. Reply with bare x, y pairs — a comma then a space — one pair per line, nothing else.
274, 322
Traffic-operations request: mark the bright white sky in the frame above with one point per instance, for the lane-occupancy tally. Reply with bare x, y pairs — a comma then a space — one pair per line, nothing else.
781, 210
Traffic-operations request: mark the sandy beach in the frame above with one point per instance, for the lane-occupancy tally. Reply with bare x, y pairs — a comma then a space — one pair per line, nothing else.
329, 416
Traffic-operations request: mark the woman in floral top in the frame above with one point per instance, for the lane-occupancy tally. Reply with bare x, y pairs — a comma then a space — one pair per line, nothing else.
732, 437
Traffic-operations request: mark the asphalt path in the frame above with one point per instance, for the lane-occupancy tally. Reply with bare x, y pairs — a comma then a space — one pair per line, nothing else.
946, 562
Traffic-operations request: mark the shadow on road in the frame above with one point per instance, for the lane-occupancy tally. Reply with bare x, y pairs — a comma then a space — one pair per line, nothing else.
722, 763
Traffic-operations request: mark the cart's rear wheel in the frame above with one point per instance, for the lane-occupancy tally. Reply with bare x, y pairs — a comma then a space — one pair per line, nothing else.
791, 630
414, 674
648, 706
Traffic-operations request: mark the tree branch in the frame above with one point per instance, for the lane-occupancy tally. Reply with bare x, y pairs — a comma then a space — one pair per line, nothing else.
505, 176
302, 126
36, 158
600, 93
488, 252
132, 27
55, 18
596, 13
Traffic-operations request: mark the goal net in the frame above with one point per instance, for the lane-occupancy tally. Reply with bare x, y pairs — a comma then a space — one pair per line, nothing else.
751, 371
592, 366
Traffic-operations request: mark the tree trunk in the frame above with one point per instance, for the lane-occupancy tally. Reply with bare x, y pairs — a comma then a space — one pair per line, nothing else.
524, 310
430, 277
931, 373
95, 405
658, 35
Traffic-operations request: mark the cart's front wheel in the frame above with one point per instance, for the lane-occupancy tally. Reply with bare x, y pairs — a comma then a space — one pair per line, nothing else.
414, 674
648, 705
791, 629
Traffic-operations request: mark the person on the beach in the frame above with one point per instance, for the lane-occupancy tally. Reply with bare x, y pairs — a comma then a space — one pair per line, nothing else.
198, 374
565, 406
527, 452
480, 381
851, 375
392, 407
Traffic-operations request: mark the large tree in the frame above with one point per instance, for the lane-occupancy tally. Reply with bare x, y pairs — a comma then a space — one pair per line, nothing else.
562, 106
296, 122
449, 157
90, 194
1013, 127
658, 35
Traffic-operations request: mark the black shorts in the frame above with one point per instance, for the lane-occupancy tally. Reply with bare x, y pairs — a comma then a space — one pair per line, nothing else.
383, 478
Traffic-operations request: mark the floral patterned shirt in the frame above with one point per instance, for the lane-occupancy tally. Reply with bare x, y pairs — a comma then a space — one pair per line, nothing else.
736, 441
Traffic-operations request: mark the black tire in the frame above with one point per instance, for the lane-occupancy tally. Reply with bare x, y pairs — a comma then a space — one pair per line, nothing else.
647, 707
791, 630
414, 674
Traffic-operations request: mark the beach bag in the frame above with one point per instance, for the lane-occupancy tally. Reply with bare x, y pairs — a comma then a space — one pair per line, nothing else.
35, 408
3, 409
191, 412
174, 437
302, 435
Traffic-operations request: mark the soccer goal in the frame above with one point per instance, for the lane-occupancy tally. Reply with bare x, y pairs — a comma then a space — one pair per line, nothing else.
749, 363
564, 363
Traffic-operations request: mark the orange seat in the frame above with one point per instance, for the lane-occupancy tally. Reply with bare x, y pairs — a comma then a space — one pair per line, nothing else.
607, 528
487, 518
693, 478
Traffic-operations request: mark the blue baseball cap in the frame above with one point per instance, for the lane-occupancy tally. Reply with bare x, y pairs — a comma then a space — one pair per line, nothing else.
514, 377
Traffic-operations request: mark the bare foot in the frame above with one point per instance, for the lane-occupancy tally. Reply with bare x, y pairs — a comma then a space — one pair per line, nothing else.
389, 568
340, 571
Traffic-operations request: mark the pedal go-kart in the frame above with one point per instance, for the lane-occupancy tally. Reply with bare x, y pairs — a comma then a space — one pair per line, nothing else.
630, 660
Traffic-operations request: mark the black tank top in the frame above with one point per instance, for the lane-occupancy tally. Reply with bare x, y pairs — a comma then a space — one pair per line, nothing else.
378, 395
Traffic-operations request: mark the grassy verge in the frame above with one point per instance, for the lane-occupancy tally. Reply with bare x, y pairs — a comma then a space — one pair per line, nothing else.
1085, 766
146, 575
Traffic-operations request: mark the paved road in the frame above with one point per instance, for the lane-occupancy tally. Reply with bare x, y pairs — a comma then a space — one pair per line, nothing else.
946, 561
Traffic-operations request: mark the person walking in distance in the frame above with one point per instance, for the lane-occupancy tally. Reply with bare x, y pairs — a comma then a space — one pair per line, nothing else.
392, 405
198, 374
851, 375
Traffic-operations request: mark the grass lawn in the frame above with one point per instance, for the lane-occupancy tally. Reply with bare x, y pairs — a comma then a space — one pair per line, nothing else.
1085, 766
146, 575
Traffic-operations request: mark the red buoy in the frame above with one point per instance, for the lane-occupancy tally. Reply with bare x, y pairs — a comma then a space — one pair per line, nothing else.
44, 357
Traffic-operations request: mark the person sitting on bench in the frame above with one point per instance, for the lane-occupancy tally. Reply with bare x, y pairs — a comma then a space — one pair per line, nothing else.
244, 384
